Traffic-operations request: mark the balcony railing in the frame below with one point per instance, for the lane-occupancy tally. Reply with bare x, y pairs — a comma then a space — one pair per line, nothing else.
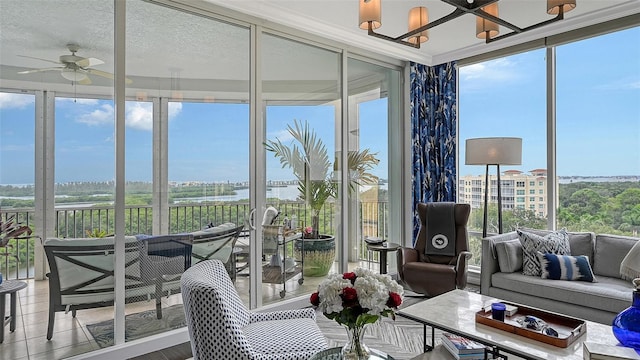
78, 222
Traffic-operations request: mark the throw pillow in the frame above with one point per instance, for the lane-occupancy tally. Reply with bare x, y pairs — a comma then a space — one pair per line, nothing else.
566, 267
556, 242
509, 255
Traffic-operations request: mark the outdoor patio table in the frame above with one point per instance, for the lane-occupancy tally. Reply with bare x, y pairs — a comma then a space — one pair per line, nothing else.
9, 287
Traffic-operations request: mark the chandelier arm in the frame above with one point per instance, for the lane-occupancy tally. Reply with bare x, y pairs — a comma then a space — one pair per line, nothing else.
558, 17
400, 39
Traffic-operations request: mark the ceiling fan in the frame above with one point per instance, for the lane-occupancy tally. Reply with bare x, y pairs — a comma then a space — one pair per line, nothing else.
75, 68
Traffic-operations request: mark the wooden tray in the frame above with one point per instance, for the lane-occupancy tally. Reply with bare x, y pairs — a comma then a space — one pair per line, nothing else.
569, 329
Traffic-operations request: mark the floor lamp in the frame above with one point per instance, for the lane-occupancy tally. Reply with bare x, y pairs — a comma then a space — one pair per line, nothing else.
493, 151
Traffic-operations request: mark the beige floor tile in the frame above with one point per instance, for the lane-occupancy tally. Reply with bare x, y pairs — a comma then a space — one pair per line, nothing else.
13, 337
60, 339
40, 329
13, 350
65, 352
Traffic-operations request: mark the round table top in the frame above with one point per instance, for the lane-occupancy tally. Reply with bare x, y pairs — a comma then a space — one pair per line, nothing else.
10, 286
335, 354
383, 247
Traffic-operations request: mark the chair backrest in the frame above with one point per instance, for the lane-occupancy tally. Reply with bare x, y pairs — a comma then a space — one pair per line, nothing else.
461, 216
214, 312
215, 243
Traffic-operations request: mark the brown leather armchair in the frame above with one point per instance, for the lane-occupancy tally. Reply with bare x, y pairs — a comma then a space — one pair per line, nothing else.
433, 275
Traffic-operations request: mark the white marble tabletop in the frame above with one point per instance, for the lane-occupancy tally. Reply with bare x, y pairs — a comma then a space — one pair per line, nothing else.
455, 311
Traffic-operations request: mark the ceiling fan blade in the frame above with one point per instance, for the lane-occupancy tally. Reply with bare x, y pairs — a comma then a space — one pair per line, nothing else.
86, 62
105, 74
85, 81
40, 70
37, 58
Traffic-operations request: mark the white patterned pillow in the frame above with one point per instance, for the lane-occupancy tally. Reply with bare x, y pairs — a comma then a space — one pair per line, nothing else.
556, 242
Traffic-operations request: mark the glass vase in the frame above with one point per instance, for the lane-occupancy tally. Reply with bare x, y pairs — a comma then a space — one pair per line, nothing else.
626, 325
355, 349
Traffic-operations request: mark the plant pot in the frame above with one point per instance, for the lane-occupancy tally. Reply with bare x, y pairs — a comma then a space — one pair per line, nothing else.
319, 254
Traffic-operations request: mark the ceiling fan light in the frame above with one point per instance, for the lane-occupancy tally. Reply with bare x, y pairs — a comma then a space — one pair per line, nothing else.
370, 11
418, 17
553, 6
73, 75
487, 28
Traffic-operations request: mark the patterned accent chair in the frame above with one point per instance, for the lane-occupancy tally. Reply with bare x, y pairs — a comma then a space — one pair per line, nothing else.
221, 327
433, 275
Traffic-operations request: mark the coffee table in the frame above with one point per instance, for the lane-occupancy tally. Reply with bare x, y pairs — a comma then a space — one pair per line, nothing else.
454, 312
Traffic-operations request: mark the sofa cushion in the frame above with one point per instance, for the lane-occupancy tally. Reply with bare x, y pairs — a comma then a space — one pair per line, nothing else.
609, 294
610, 250
566, 267
582, 243
509, 255
556, 242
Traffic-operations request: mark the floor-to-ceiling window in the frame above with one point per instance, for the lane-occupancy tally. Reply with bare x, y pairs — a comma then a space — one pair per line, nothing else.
597, 164
17, 176
302, 97
504, 98
598, 134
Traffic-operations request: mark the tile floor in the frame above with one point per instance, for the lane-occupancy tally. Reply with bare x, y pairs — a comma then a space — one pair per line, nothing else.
71, 336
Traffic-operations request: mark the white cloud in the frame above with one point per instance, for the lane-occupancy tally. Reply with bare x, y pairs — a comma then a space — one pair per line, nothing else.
495, 70
622, 84
139, 115
174, 109
100, 116
283, 135
82, 101
15, 101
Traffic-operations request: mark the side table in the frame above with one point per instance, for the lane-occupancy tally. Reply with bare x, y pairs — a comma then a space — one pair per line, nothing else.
383, 249
9, 287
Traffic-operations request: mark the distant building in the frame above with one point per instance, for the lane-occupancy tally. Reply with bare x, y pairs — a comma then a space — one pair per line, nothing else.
519, 190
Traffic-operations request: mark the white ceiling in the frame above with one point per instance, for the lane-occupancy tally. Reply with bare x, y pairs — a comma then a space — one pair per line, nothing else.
338, 20
165, 46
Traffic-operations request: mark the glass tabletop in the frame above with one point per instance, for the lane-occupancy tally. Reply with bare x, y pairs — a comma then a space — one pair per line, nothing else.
334, 354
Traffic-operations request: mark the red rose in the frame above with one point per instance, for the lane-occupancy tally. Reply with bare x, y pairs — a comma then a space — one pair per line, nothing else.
349, 297
351, 276
394, 300
315, 299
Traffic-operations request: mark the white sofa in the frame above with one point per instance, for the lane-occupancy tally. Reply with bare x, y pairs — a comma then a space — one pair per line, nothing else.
596, 301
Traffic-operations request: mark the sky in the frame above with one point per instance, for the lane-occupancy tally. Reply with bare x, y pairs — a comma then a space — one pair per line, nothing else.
598, 115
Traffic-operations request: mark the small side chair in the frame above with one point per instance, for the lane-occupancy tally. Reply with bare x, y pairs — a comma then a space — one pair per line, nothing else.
221, 327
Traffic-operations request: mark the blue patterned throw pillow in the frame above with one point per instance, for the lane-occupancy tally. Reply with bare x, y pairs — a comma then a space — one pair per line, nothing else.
556, 242
566, 267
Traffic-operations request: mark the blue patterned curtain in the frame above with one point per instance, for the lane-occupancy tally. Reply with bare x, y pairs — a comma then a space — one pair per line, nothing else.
433, 128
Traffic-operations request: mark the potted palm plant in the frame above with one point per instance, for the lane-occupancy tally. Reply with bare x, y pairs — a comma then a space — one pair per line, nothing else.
309, 160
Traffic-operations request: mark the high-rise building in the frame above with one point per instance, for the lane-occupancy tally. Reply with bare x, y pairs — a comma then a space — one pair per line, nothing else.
519, 190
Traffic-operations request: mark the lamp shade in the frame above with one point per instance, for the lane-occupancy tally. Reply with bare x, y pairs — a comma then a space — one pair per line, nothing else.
553, 6
418, 17
493, 151
370, 10
487, 28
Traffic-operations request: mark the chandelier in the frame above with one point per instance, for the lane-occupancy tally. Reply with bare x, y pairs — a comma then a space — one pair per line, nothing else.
486, 12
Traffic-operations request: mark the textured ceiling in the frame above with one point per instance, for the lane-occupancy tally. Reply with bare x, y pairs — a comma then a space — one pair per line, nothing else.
171, 50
